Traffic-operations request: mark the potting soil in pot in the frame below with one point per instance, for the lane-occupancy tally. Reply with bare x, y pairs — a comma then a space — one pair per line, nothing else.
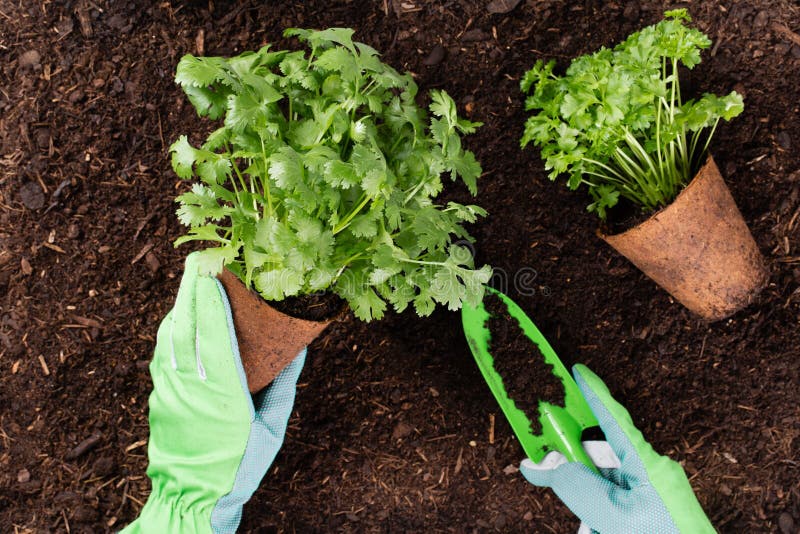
315, 307
526, 375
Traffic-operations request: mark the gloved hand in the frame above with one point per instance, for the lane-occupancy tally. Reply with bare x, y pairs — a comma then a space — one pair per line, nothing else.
648, 493
210, 441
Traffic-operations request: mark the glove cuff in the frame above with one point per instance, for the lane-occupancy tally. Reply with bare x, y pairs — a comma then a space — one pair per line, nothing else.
165, 514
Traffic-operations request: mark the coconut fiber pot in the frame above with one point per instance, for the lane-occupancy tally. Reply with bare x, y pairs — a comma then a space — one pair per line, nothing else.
268, 339
698, 248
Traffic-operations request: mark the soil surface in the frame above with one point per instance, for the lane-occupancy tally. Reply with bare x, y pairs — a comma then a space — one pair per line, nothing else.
316, 307
525, 374
392, 428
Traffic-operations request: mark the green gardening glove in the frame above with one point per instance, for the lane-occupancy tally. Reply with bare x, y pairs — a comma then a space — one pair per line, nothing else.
210, 441
648, 493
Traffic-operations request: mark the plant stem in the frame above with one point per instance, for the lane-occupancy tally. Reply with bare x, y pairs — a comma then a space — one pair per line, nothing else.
346, 221
710, 135
265, 183
420, 262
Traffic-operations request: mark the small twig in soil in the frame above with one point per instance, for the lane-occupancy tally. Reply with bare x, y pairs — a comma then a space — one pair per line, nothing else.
124, 498
161, 133
84, 446
84, 19
786, 32
793, 220
459, 463
141, 254
6, 438
86, 322
137, 501
439, 438
66, 523
142, 224
54, 248
135, 445
43, 363
199, 42
690, 449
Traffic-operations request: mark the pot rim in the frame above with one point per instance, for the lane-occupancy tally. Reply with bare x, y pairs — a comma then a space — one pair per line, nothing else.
679, 198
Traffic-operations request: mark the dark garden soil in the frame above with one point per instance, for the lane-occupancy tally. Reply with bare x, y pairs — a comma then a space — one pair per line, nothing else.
526, 376
316, 307
392, 429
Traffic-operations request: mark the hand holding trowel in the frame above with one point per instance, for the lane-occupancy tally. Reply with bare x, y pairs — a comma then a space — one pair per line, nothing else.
635, 489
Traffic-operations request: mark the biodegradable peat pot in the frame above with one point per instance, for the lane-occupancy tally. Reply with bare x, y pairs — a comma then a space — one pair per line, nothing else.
698, 248
268, 339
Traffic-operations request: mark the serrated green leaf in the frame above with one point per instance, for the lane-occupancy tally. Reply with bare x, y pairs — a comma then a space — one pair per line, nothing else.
211, 260
394, 215
615, 121
339, 60
324, 38
374, 183
208, 103
468, 169
200, 205
359, 130
217, 139
306, 228
366, 304
244, 111
207, 232
286, 168
278, 284
379, 276
183, 157
366, 160
443, 106
199, 71
340, 174
384, 257
304, 134
468, 213
375, 103
324, 173
365, 226
320, 279
215, 171
424, 304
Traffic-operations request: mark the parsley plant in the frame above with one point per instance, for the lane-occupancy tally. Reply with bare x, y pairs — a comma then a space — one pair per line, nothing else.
323, 175
616, 123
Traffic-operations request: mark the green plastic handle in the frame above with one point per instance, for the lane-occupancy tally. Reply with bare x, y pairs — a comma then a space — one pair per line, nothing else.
562, 426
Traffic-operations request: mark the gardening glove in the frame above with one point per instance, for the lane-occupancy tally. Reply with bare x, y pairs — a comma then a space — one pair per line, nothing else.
210, 441
648, 493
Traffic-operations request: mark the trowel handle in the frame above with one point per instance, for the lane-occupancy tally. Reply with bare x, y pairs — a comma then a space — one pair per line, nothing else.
564, 434
576, 453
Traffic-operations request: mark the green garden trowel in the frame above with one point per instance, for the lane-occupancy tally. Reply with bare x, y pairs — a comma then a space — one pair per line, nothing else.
561, 426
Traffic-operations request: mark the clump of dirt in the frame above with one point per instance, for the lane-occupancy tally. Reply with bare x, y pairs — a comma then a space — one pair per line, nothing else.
527, 376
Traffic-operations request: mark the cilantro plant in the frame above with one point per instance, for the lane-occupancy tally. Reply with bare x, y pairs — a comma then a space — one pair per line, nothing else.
616, 122
323, 176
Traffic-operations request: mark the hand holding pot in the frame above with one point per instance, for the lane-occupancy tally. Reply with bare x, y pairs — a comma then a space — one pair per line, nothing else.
647, 493
210, 441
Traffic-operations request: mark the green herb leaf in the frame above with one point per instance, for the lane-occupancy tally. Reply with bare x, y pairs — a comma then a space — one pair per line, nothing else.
323, 175
615, 121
